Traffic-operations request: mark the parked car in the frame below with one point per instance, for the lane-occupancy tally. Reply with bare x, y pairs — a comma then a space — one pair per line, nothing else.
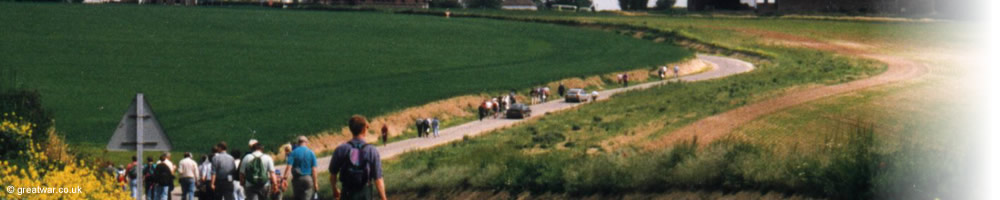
577, 95
518, 110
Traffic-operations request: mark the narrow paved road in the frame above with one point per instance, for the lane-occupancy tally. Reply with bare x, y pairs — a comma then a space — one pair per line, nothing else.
720, 67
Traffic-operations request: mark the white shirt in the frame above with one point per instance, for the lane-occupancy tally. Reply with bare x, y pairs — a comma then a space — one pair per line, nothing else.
188, 168
171, 165
206, 170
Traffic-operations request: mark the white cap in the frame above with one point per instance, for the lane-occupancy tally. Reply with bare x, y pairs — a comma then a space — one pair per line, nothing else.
253, 142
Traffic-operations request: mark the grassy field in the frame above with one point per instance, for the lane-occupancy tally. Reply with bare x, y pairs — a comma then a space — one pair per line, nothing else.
597, 150
216, 74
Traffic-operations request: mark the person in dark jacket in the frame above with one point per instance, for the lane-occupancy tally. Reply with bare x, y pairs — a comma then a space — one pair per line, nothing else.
164, 178
562, 90
147, 178
385, 134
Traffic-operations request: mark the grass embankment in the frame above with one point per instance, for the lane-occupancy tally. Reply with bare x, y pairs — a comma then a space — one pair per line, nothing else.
216, 74
594, 150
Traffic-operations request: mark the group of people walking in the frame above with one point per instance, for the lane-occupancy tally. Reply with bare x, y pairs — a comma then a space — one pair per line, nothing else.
663, 71
496, 106
253, 175
425, 126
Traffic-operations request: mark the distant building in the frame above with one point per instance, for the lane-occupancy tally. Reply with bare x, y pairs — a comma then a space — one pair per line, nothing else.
380, 3
519, 5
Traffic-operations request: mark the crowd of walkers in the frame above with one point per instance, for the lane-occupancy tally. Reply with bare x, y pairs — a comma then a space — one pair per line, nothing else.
253, 175
426, 126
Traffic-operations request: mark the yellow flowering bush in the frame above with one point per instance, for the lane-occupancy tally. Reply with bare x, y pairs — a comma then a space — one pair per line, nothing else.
37, 171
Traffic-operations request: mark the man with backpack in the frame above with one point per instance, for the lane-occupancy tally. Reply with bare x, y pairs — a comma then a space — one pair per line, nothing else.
147, 178
358, 165
164, 178
132, 171
188, 169
257, 173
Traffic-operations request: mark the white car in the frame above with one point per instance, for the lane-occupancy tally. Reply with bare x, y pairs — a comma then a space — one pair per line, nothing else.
577, 95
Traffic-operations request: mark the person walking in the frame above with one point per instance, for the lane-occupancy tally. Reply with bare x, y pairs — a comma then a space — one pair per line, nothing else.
188, 171
280, 184
513, 97
427, 127
257, 172
173, 169
302, 166
385, 134
436, 124
164, 177
223, 170
147, 178
663, 72
237, 187
625, 79
133, 170
420, 127
357, 164
545, 94
205, 177
482, 111
562, 90
677, 71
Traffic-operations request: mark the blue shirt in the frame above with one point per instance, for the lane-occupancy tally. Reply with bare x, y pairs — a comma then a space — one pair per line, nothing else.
303, 160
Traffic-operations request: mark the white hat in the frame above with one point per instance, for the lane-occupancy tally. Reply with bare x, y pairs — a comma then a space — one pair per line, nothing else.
253, 142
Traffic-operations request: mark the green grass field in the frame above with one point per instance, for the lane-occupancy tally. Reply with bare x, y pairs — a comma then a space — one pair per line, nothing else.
576, 153
216, 74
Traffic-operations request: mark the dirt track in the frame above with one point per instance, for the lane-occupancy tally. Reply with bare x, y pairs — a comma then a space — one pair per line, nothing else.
717, 126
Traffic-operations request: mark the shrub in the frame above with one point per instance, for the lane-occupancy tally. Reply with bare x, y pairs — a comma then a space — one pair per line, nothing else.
445, 4
633, 4
489, 4
36, 170
27, 104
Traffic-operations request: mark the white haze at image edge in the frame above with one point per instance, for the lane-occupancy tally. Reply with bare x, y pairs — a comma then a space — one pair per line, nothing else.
988, 83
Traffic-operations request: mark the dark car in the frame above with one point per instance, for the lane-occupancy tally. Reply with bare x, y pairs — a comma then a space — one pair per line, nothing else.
518, 110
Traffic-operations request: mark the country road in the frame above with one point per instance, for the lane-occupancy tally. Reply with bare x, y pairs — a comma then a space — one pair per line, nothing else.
720, 67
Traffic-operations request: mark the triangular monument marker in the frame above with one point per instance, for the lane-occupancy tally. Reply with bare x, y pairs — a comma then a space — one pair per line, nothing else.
126, 135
